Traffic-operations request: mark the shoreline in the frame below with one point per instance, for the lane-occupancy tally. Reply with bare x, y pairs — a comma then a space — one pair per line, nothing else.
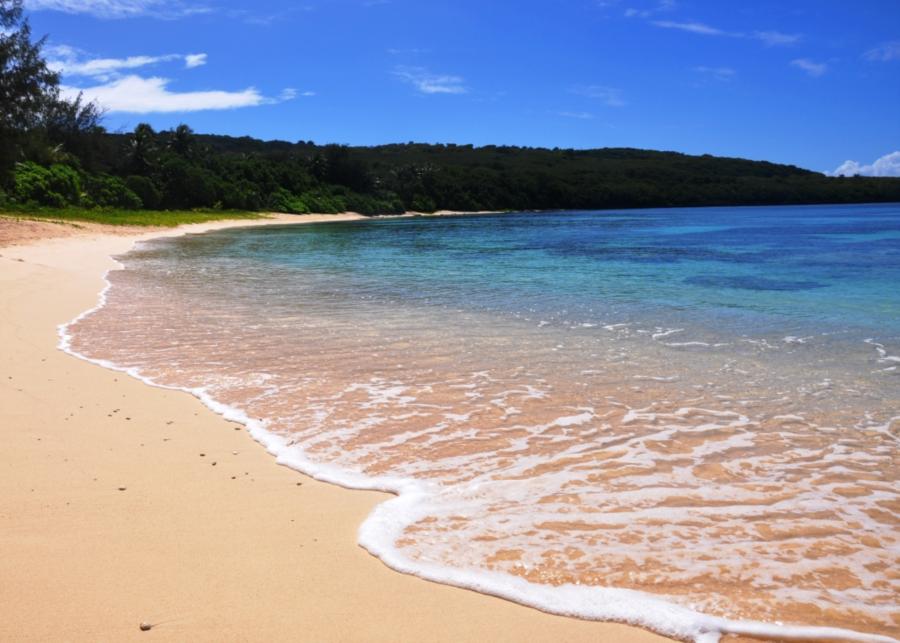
18, 229
112, 517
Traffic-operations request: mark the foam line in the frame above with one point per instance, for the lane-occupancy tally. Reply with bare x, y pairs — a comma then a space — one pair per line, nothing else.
388, 519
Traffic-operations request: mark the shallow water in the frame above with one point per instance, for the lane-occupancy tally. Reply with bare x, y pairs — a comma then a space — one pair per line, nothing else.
700, 404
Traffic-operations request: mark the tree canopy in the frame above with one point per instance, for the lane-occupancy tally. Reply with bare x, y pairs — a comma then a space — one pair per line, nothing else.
54, 152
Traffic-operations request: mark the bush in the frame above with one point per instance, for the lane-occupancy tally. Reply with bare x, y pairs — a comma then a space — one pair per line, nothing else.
146, 191
241, 195
109, 191
56, 186
283, 201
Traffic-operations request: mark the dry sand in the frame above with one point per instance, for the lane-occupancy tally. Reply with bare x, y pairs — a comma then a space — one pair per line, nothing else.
123, 504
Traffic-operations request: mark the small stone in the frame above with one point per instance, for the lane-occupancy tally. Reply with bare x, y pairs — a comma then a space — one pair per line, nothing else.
122, 488
299, 484
145, 627
213, 464
202, 455
234, 453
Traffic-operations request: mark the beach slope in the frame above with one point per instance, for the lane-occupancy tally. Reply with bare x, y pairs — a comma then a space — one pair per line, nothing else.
124, 504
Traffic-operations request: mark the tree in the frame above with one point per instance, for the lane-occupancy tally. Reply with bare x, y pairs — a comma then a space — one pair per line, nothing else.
143, 148
27, 85
183, 140
75, 126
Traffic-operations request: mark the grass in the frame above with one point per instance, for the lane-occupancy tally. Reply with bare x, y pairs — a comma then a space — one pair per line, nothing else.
109, 216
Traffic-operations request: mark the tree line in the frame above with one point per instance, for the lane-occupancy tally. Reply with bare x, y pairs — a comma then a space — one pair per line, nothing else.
55, 152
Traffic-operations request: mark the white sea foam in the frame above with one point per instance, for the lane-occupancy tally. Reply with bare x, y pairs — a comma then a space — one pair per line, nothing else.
417, 498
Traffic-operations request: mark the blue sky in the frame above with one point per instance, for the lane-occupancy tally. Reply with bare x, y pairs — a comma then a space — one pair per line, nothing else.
809, 82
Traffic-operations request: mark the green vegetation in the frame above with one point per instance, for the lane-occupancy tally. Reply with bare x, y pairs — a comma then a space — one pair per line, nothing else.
112, 216
55, 154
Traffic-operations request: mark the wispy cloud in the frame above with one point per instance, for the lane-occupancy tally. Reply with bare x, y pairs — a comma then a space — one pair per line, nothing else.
609, 96
194, 60
777, 38
427, 82
769, 38
136, 95
692, 27
408, 51
584, 116
887, 165
884, 52
660, 7
70, 61
811, 67
290, 93
718, 73
114, 86
110, 9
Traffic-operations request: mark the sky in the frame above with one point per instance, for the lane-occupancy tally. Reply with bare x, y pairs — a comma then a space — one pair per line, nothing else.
813, 83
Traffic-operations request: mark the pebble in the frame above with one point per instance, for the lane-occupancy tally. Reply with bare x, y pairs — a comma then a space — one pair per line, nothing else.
122, 488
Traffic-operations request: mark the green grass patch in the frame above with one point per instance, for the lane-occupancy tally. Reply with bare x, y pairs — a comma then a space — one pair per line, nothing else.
110, 216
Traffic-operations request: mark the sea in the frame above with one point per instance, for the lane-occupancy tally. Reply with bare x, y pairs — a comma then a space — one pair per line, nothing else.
686, 419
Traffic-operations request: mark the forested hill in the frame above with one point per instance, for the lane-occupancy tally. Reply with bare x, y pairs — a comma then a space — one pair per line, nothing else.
179, 169
55, 151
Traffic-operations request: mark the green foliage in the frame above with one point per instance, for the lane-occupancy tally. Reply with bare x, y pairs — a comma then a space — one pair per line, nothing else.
109, 191
145, 190
54, 152
55, 186
111, 216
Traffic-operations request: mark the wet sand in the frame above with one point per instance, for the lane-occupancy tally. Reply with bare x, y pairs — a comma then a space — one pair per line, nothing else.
125, 504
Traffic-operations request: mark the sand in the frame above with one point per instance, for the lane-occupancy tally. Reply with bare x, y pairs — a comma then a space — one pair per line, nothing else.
122, 504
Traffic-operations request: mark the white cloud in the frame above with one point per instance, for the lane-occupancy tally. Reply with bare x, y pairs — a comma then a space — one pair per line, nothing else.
584, 116
166, 9
812, 68
692, 27
104, 67
776, 38
194, 60
719, 73
72, 62
887, 165
661, 7
136, 95
610, 96
289, 93
885, 52
428, 83
769, 38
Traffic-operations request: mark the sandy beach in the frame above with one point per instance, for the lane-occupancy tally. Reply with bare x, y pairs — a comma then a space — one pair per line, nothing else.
124, 504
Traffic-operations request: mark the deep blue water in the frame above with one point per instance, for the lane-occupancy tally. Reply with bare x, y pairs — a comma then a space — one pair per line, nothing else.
747, 270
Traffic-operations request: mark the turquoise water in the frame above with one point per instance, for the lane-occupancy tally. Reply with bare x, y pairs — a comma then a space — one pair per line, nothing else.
682, 418
754, 270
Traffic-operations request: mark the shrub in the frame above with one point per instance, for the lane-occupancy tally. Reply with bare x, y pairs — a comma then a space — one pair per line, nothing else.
109, 191
56, 186
146, 191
